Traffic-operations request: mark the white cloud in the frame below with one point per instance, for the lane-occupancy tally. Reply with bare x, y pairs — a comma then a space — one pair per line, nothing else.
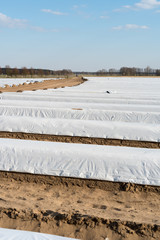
79, 10
143, 4
127, 6
104, 17
79, 6
134, 26
9, 22
130, 27
38, 29
54, 12
118, 28
75, 6
148, 4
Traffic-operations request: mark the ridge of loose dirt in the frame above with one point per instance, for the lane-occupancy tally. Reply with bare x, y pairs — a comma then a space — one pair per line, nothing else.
76, 182
80, 140
77, 225
79, 208
46, 84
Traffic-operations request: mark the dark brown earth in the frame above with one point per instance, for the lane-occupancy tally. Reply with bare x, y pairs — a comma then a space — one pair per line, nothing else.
81, 140
79, 208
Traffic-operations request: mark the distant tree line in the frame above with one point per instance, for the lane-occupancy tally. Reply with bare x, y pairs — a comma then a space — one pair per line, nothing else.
10, 72
124, 71
129, 71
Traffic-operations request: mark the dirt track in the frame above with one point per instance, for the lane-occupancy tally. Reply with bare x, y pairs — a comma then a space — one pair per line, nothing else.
81, 140
46, 84
84, 209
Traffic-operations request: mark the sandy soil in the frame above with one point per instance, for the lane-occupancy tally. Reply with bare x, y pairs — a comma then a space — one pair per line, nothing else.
84, 209
46, 84
80, 140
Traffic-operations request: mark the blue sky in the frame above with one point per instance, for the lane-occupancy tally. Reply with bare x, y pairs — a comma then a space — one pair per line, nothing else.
80, 35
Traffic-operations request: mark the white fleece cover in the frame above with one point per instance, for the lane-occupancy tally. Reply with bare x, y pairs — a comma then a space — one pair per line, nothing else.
87, 128
17, 81
120, 164
9, 234
131, 110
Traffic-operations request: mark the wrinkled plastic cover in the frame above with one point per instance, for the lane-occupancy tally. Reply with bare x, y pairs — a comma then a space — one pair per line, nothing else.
8, 234
121, 164
121, 108
17, 81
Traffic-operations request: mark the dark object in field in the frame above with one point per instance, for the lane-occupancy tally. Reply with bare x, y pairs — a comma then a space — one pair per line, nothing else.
108, 92
19, 91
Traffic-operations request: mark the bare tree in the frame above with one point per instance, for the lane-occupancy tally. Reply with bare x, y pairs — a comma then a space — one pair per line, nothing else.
25, 71
148, 70
8, 70
15, 71
158, 72
125, 71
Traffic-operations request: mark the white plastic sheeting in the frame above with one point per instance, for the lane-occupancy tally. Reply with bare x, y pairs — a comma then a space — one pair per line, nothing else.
130, 87
87, 128
9, 234
98, 115
131, 109
17, 81
120, 164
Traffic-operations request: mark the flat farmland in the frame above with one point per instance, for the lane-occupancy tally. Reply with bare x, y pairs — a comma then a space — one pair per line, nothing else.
82, 160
